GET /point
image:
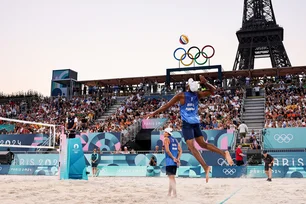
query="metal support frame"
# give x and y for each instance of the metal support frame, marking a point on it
(260, 37)
(169, 70)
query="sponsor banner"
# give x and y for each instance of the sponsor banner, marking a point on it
(153, 123)
(284, 138)
(105, 141)
(36, 159)
(26, 139)
(187, 159)
(28, 170)
(90, 141)
(222, 139)
(289, 158)
(259, 172)
(228, 171)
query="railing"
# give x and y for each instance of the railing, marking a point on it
(130, 133)
(261, 133)
(242, 104)
(233, 147)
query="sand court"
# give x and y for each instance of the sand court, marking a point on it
(134, 190)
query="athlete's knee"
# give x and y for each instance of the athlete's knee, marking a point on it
(190, 145)
(200, 140)
(204, 144)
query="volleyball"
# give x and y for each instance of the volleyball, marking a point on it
(184, 39)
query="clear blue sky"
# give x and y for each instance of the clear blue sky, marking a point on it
(110, 39)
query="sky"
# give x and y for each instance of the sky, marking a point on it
(102, 39)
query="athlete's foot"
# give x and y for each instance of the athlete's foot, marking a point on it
(269, 179)
(229, 158)
(174, 196)
(169, 195)
(207, 171)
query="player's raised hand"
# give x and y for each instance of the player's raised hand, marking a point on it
(148, 116)
(203, 79)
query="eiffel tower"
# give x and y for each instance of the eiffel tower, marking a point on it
(260, 36)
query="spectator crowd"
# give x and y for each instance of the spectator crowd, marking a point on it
(54, 111)
(285, 104)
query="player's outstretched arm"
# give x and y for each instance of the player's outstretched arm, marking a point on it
(211, 88)
(165, 107)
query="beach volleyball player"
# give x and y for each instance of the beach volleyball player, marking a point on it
(191, 123)
(173, 153)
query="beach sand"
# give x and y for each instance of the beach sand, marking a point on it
(128, 190)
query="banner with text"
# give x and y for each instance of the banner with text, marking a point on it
(153, 123)
(26, 139)
(28, 170)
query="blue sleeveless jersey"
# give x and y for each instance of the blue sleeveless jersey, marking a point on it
(189, 110)
(173, 147)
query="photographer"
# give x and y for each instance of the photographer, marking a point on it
(152, 161)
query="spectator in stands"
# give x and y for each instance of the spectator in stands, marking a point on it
(254, 141)
(257, 90)
(126, 151)
(243, 130)
(156, 149)
(239, 156)
(247, 81)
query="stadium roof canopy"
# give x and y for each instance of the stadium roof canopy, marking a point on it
(185, 77)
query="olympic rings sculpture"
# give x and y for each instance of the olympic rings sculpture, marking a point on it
(197, 55)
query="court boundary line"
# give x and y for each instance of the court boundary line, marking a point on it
(229, 197)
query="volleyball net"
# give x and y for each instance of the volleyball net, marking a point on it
(27, 135)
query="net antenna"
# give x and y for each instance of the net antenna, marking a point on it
(47, 139)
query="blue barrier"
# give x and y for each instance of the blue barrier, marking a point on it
(105, 141)
(284, 138)
(28, 170)
(159, 171)
(286, 164)
(187, 159)
(222, 139)
(27, 139)
(229, 171)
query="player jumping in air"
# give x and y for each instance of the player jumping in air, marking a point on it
(191, 123)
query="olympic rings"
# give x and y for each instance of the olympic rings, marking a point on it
(183, 56)
(190, 56)
(195, 55)
(211, 54)
(180, 48)
(198, 54)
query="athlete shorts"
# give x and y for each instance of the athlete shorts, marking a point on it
(171, 170)
(191, 131)
(267, 167)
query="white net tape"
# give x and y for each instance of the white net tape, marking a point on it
(48, 131)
